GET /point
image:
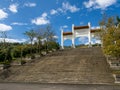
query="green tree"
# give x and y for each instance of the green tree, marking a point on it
(118, 20)
(111, 37)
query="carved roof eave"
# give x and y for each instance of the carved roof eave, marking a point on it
(80, 27)
(67, 33)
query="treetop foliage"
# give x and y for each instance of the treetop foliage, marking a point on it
(111, 36)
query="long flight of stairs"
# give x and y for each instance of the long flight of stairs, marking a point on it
(75, 66)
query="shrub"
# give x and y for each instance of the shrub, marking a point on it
(23, 62)
(33, 57)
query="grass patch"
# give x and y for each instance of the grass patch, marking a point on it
(116, 71)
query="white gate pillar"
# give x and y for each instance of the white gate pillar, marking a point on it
(73, 36)
(73, 43)
(62, 40)
(89, 35)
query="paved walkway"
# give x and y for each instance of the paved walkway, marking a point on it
(20, 86)
(73, 66)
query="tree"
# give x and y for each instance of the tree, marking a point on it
(101, 32)
(39, 36)
(31, 35)
(6, 47)
(49, 36)
(4, 36)
(49, 33)
(118, 20)
(111, 37)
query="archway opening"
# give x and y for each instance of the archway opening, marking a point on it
(81, 41)
(67, 43)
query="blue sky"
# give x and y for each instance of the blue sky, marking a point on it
(18, 16)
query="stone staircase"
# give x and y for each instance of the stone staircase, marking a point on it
(75, 66)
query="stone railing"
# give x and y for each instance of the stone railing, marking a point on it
(114, 64)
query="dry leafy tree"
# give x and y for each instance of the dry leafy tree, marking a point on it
(49, 36)
(45, 33)
(39, 34)
(31, 35)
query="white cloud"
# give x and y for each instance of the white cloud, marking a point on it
(4, 27)
(83, 39)
(44, 39)
(81, 23)
(65, 26)
(42, 20)
(89, 4)
(68, 17)
(99, 4)
(18, 23)
(94, 42)
(68, 7)
(44, 15)
(60, 10)
(3, 14)
(98, 41)
(55, 37)
(53, 11)
(13, 40)
(13, 8)
(95, 27)
(30, 4)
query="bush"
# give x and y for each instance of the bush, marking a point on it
(16, 52)
(53, 45)
(5, 54)
(23, 62)
(2, 55)
(33, 57)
